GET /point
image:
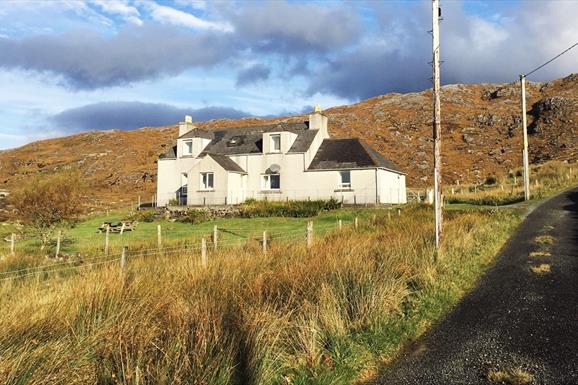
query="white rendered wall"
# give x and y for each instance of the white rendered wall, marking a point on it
(169, 177)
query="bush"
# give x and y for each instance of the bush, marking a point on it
(195, 216)
(142, 216)
(294, 209)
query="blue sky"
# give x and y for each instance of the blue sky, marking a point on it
(73, 65)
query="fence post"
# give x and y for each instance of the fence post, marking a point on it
(203, 252)
(309, 234)
(215, 237)
(355, 200)
(398, 212)
(265, 242)
(58, 243)
(106, 240)
(122, 229)
(12, 244)
(356, 223)
(138, 207)
(340, 224)
(159, 238)
(123, 258)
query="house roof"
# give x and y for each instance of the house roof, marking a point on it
(226, 162)
(249, 140)
(197, 133)
(349, 154)
(170, 154)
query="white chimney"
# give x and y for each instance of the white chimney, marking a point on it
(318, 121)
(186, 126)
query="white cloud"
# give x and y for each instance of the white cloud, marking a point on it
(174, 16)
(120, 8)
(195, 4)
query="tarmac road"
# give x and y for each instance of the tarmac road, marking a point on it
(515, 317)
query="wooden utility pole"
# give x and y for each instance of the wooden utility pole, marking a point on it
(436, 13)
(525, 130)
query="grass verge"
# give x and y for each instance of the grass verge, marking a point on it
(329, 315)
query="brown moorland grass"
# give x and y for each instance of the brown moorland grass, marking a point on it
(294, 316)
(546, 179)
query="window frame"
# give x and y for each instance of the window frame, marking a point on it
(343, 185)
(203, 185)
(272, 143)
(186, 144)
(266, 182)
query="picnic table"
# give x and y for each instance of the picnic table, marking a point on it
(117, 227)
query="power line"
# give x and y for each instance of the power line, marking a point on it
(551, 60)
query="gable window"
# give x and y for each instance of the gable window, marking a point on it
(345, 179)
(188, 147)
(275, 143)
(271, 182)
(207, 180)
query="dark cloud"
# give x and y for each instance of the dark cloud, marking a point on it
(473, 49)
(131, 115)
(253, 74)
(85, 60)
(296, 28)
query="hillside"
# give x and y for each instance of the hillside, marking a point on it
(481, 137)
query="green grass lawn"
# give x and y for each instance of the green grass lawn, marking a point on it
(84, 237)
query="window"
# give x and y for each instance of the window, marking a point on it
(271, 182)
(207, 180)
(345, 179)
(275, 143)
(188, 147)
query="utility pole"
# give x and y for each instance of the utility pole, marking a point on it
(525, 129)
(436, 14)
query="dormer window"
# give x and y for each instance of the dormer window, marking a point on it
(275, 143)
(188, 147)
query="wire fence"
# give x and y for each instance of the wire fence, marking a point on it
(199, 244)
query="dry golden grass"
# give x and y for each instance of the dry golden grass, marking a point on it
(546, 179)
(331, 313)
(515, 376)
(541, 268)
(544, 240)
(537, 254)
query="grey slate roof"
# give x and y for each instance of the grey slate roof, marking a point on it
(197, 133)
(335, 154)
(227, 163)
(170, 154)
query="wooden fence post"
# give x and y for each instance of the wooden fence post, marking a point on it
(265, 242)
(398, 212)
(340, 224)
(309, 234)
(12, 244)
(123, 258)
(138, 207)
(356, 223)
(122, 229)
(215, 237)
(203, 252)
(58, 243)
(106, 239)
(159, 238)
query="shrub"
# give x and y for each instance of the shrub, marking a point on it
(295, 209)
(46, 202)
(142, 216)
(195, 216)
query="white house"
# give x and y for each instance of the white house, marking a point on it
(280, 161)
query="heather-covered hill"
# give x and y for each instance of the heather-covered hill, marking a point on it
(481, 137)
